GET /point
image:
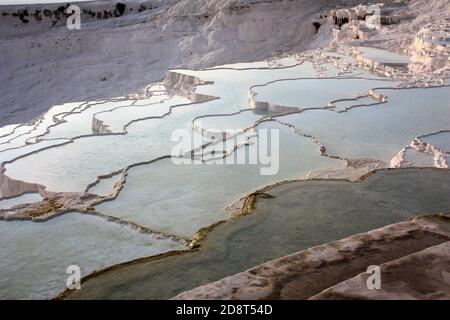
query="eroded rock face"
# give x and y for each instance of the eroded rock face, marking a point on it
(184, 85)
(430, 49)
(10, 187)
(99, 127)
(306, 273)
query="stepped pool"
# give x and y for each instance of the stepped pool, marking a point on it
(315, 93)
(35, 266)
(181, 199)
(381, 131)
(142, 174)
(301, 215)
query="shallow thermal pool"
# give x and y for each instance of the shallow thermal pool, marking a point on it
(383, 56)
(227, 124)
(315, 93)
(182, 198)
(105, 186)
(25, 198)
(25, 133)
(35, 255)
(301, 215)
(73, 166)
(418, 159)
(381, 131)
(440, 140)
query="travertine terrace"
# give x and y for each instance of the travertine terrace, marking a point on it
(91, 119)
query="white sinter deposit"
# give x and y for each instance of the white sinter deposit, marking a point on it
(114, 54)
(117, 90)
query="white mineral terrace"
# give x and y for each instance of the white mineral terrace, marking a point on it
(106, 171)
